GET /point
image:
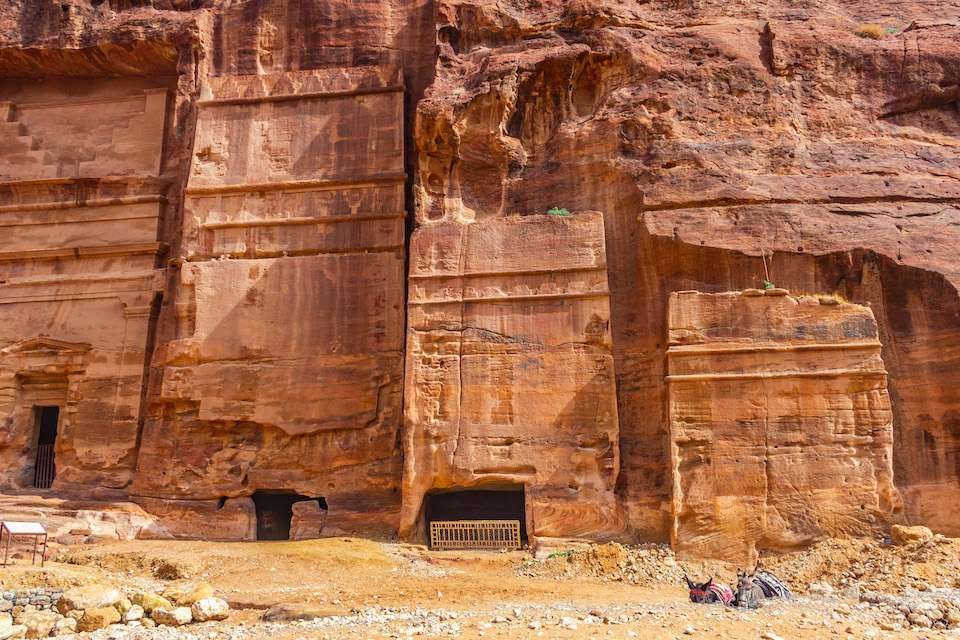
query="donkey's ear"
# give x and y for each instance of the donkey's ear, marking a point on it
(708, 583)
(690, 584)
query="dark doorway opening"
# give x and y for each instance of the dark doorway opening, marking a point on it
(274, 513)
(45, 467)
(479, 504)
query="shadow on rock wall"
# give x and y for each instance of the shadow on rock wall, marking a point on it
(918, 313)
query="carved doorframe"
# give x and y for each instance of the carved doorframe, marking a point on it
(40, 371)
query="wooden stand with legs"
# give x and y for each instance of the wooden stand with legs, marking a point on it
(17, 531)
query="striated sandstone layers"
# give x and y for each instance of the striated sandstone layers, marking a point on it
(316, 158)
(510, 375)
(780, 423)
(286, 366)
(709, 133)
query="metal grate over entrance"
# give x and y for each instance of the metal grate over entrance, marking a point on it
(475, 534)
(45, 468)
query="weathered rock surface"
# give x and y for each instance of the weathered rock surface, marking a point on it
(12, 631)
(709, 133)
(307, 164)
(175, 617)
(64, 626)
(150, 601)
(134, 613)
(210, 609)
(97, 618)
(780, 421)
(253, 162)
(81, 209)
(308, 520)
(511, 379)
(91, 596)
(901, 534)
(183, 594)
(40, 623)
(293, 612)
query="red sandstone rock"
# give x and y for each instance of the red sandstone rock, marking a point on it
(284, 370)
(308, 520)
(708, 133)
(902, 535)
(780, 423)
(80, 205)
(511, 380)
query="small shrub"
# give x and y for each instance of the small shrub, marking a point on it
(871, 30)
(769, 285)
(557, 211)
(168, 569)
(560, 554)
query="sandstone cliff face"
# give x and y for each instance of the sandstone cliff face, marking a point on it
(780, 422)
(709, 133)
(283, 172)
(510, 378)
(706, 133)
(80, 203)
(285, 370)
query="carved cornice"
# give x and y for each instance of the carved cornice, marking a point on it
(83, 252)
(310, 95)
(297, 185)
(43, 344)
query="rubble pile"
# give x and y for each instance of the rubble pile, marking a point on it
(844, 567)
(39, 612)
(931, 609)
(872, 565)
(612, 562)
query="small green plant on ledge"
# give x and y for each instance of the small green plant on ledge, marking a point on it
(767, 282)
(558, 211)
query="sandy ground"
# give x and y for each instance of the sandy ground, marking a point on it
(369, 589)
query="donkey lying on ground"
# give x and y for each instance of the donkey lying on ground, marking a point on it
(754, 587)
(709, 592)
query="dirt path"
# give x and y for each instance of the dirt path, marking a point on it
(367, 589)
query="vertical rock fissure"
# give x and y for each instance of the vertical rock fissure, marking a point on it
(463, 310)
(766, 462)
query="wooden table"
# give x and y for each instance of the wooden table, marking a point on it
(11, 530)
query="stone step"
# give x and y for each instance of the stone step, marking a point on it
(12, 128)
(23, 156)
(25, 163)
(15, 144)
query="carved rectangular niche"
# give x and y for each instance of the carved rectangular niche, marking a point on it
(781, 427)
(80, 205)
(510, 376)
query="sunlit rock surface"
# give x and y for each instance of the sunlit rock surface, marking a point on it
(780, 422)
(222, 225)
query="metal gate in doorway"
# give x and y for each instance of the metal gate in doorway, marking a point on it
(475, 534)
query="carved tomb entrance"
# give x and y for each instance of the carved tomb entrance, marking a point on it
(47, 421)
(476, 519)
(277, 517)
